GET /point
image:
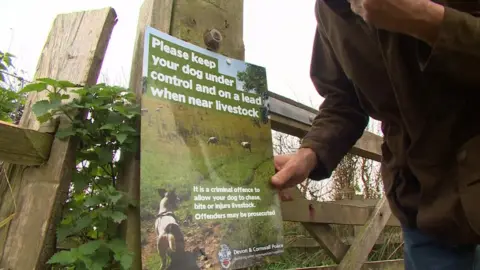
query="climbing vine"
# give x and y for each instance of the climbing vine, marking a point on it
(101, 118)
(11, 102)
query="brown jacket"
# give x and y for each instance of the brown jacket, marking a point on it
(428, 100)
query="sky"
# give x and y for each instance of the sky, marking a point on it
(278, 35)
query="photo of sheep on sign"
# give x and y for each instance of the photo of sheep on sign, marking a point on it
(206, 160)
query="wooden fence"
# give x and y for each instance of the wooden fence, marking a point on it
(38, 166)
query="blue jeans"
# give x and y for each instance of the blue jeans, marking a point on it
(422, 252)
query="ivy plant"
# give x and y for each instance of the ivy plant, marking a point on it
(11, 102)
(101, 118)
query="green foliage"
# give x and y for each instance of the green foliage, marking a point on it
(254, 78)
(10, 100)
(101, 118)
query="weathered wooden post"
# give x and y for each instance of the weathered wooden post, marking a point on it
(74, 51)
(219, 27)
(362, 245)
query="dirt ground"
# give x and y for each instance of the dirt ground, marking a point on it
(202, 242)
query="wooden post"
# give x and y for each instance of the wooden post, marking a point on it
(74, 51)
(182, 19)
(378, 265)
(362, 245)
(157, 14)
(30, 148)
(293, 118)
(327, 239)
(322, 233)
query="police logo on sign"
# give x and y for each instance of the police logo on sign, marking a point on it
(225, 256)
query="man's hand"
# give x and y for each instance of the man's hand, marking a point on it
(294, 168)
(418, 18)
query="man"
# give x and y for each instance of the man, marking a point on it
(415, 66)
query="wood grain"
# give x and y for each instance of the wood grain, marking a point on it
(74, 51)
(362, 245)
(293, 118)
(378, 265)
(23, 146)
(157, 14)
(329, 213)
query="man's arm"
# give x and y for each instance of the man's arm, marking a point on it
(453, 36)
(455, 51)
(340, 121)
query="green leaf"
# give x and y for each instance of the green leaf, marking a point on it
(75, 105)
(100, 259)
(63, 232)
(126, 128)
(108, 126)
(129, 96)
(33, 87)
(81, 131)
(66, 84)
(80, 181)
(117, 245)
(133, 202)
(90, 247)
(49, 81)
(63, 258)
(121, 137)
(95, 104)
(92, 201)
(7, 59)
(83, 223)
(67, 220)
(115, 197)
(97, 87)
(121, 252)
(54, 96)
(116, 216)
(114, 118)
(82, 92)
(86, 155)
(126, 261)
(121, 109)
(79, 197)
(64, 133)
(80, 266)
(94, 234)
(43, 106)
(44, 118)
(105, 155)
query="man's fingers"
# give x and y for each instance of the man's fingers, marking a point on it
(357, 7)
(283, 176)
(280, 161)
(284, 196)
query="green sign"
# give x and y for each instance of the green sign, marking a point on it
(206, 160)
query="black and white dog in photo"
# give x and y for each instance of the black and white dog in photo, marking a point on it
(170, 239)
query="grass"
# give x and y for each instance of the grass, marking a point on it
(175, 154)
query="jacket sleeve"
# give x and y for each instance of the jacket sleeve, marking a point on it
(456, 52)
(340, 121)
